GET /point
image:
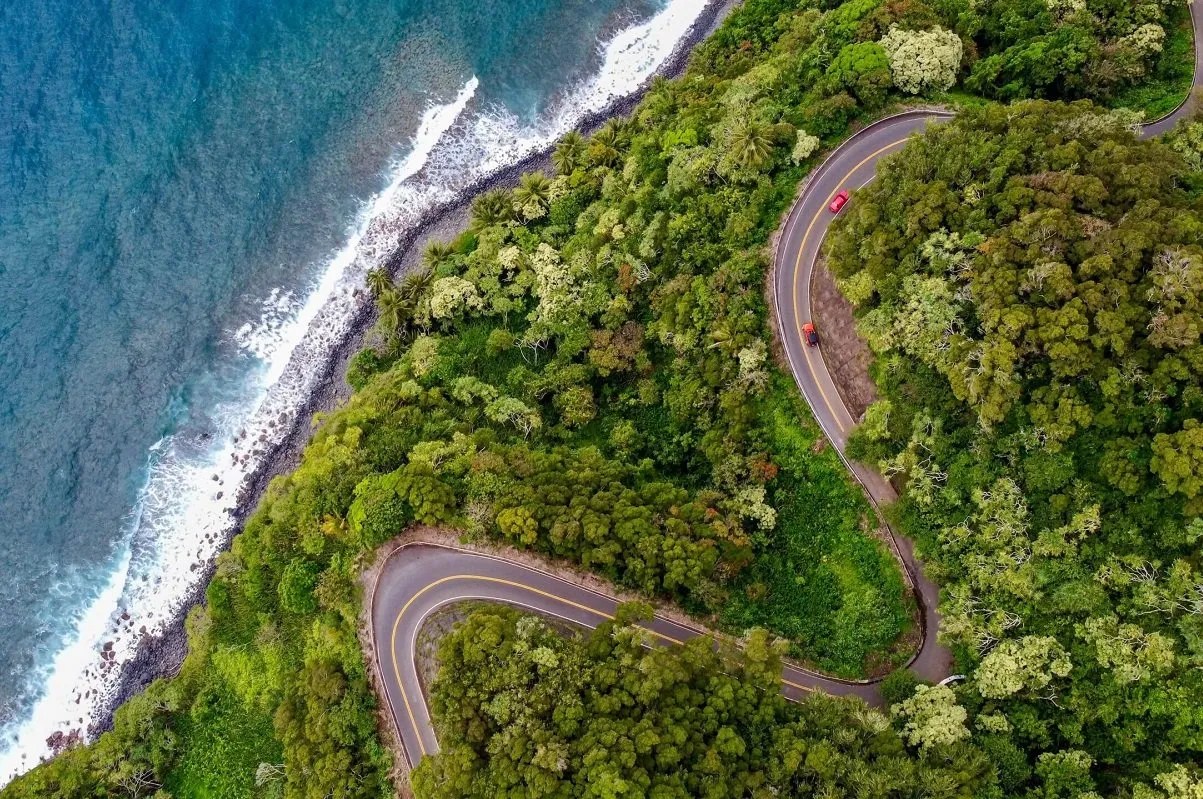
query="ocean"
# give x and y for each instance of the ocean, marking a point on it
(191, 195)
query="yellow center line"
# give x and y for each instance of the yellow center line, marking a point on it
(521, 586)
(500, 581)
(798, 264)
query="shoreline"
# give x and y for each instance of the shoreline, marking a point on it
(162, 655)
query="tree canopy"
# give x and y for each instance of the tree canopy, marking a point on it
(1029, 278)
(523, 710)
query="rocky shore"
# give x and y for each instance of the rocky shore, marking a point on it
(161, 655)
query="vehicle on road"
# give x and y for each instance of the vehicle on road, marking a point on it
(838, 202)
(810, 334)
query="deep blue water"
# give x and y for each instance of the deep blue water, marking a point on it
(166, 164)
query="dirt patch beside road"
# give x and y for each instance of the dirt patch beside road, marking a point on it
(847, 357)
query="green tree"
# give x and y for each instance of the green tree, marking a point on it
(863, 69)
(1027, 278)
(604, 716)
(379, 282)
(750, 145)
(1178, 458)
(297, 585)
(569, 153)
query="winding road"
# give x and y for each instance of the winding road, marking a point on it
(417, 579)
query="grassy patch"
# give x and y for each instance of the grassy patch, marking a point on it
(824, 583)
(222, 745)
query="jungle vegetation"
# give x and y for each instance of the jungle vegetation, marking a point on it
(1030, 279)
(525, 711)
(1126, 52)
(585, 372)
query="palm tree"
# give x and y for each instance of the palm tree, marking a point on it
(603, 147)
(415, 284)
(491, 208)
(533, 187)
(379, 281)
(751, 146)
(437, 253)
(570, 153)
(394, 310)
(623, 127)
(663, 89)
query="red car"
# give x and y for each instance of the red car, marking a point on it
(808, 333)
(838, 202)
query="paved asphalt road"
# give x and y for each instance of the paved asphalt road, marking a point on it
(417, 579)
(1159, 126)
(850, 166)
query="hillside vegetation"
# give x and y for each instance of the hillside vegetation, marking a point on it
(526, 712)
(1031, 280)
(586, 373)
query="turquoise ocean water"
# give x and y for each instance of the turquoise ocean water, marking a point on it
(189, 196)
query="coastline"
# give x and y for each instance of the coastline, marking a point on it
(161, 655)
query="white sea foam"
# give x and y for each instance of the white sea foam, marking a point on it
(186, 507)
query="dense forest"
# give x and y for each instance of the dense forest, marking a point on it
(1031, 280)
(525, 711)
(586, 373)
(1069, 49)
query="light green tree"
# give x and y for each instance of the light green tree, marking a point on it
(1131, 653)
(931, 717)
(452, 295)
(923, 60)
(1027, 664)
(1065, 775)
(509, 410)
(424, 354)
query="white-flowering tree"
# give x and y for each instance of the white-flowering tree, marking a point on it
(508, 410)
(931, 717)
(922, 60)
(805, 146)
(451, 295)
(1181, 783)
(1146, 41)
(751, 503)
(1027, 664)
